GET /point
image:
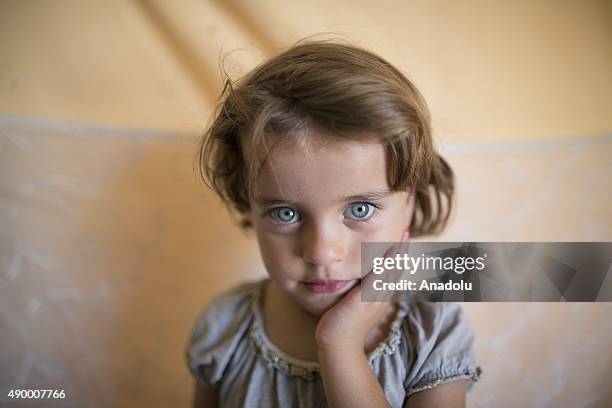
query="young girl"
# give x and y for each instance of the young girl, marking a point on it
(319, 149)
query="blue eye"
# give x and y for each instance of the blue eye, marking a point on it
(285, 215)
(360, 211)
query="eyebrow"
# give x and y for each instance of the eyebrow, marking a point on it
(375, 195)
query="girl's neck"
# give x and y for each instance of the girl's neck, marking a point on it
(288, 325)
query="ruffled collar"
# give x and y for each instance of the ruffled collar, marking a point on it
(308, 370)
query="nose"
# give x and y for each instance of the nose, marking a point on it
(323, 244)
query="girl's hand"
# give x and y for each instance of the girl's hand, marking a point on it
(346, 325)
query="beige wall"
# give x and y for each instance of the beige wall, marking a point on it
(109, 246)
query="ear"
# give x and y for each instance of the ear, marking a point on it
(408, 218)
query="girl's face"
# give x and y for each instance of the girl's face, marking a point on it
(312, 206)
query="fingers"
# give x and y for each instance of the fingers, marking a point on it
(405, 241)
(367, 283)
(375, 296)
(392, 251)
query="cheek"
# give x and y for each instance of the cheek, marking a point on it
(390, 227)
(276, 252)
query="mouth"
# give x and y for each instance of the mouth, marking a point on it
(321, 286)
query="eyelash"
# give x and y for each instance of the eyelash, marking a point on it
(271, 213)
(372, 217)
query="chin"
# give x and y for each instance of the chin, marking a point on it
(321, 306)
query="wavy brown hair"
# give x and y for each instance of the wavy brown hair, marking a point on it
(338, 89)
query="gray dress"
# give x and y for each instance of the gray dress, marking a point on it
(428, 344)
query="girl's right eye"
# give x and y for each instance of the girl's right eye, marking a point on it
(285, 215)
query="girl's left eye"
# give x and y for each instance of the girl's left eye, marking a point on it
(359, 211)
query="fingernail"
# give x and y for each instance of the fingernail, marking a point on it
(391, 251)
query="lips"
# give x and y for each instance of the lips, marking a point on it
(320, 286)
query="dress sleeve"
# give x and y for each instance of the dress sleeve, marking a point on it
(217, 333)
(441, 346)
